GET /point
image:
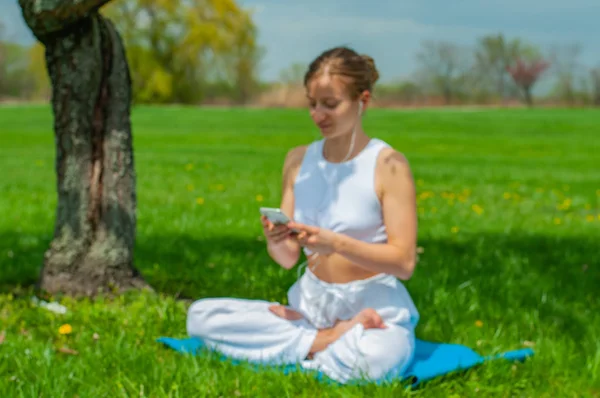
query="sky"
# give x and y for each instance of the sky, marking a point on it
(391, 31)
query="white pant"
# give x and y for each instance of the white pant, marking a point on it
(246, 329)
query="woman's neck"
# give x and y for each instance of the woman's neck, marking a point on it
(335, 150)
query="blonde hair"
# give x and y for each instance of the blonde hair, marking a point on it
(343, 61)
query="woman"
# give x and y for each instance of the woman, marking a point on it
(354, 214)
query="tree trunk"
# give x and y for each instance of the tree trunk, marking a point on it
(528, 96)
(94, 236)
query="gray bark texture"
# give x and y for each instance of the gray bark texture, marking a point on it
(93, 246)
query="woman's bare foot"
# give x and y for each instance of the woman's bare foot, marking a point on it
(368, 317)
(285, 312)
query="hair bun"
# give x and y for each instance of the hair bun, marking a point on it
(374, 74)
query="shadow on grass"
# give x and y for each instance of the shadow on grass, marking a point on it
(555, 278)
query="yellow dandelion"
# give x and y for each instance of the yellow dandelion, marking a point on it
(477, 209)
(65, 329)
(448, 195)
(589, 218)
(425, 195)
(565, 205)
(259, 198)
(507, 195)
(189, 166)
(557, 221)
(454, 229)
(190, 187)
(200, 201)
(478, 323)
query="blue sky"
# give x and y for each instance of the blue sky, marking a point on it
(391, 31)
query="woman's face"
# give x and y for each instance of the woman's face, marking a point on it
(331, 107)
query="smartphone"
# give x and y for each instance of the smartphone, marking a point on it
(276, 216)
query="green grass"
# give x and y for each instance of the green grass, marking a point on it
(527, 267)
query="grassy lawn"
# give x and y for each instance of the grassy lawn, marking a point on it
(509, 223)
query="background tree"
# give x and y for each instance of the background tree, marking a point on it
(443, 68)
(93, 244)
(36, 72)
(181, 50)
(2, 59)
(525, 74)
(493, 55)
(595, 83)
(567, 69)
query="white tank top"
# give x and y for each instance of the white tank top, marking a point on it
(340, 196)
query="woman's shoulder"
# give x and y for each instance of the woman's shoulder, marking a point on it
(392, 164)
(389, 156)
(293, 161)
(296, 155)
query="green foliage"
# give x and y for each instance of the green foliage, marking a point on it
(36, 72)
(509, 220)
(176, 48)
(14, 64)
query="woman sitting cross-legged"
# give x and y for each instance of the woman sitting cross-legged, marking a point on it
(352, 201)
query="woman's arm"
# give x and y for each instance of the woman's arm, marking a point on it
(287, 252)
(398, 255)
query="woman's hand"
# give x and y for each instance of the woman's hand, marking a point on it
(318, 240)
(274, 233)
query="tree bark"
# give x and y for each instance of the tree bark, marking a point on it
(94, 236)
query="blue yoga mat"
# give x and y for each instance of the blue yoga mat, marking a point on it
(431, 359)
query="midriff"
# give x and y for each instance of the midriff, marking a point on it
(337, 269)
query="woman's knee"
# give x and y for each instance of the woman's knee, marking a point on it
(210, 317)
(200, 321)
(385, 351)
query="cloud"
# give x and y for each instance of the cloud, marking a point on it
(298, 34)
(392, 31)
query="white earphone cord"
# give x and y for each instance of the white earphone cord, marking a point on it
(353, 134)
